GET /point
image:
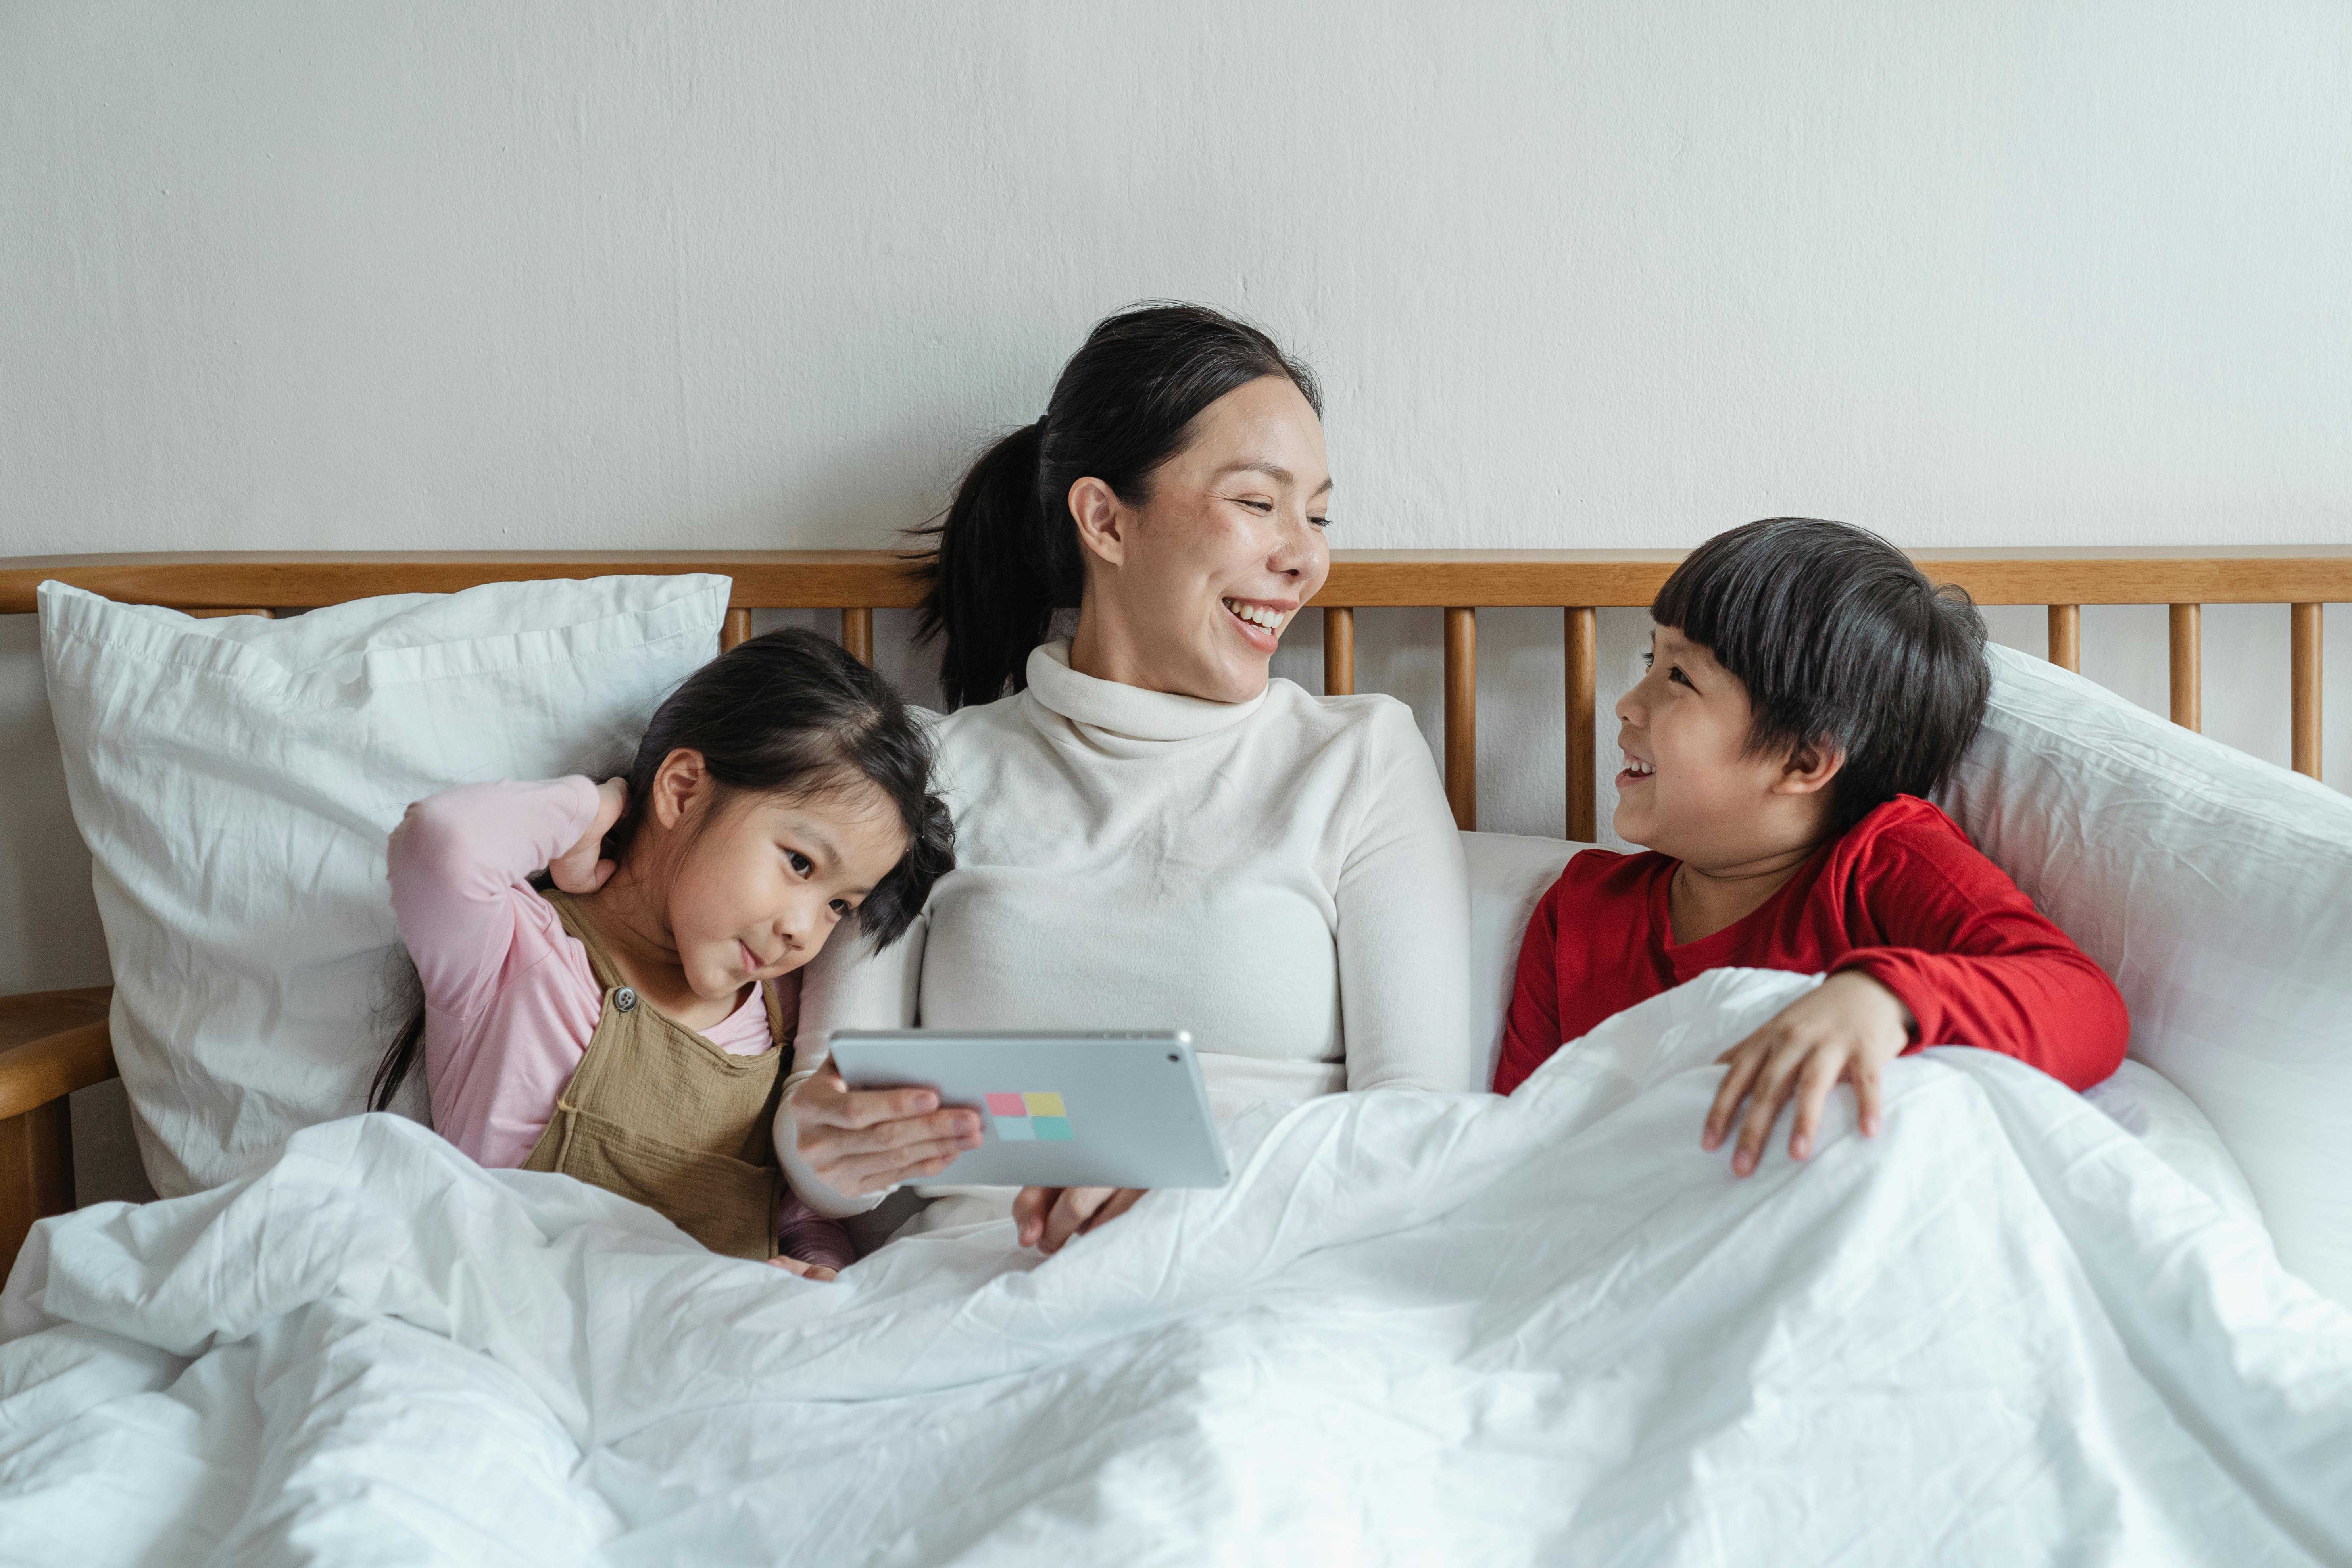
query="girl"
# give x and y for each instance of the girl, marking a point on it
(627, 1025)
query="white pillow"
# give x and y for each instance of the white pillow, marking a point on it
(2217, 889)
(236, 780)
(1508, 874)
(2137, 1099)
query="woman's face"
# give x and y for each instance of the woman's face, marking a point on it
(1191, 591)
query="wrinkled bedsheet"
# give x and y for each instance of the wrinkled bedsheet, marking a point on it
(1414, 1329)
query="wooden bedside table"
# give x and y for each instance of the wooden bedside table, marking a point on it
(51, 1043)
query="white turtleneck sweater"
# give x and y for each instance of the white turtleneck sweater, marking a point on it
(1281, 876)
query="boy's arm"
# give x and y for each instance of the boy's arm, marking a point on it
(1977, 966)
(1531, 1027)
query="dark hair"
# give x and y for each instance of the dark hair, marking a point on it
(1840, 641)
(789, 714)
(1007, 555)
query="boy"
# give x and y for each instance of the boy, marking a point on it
(1806, 689)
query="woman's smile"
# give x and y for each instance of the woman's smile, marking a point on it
(1260, 621)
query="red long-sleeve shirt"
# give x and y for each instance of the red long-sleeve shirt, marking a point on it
(1902, 896)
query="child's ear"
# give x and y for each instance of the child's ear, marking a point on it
(1810, 766)
(682, 779)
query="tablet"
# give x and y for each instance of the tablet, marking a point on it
(1056, 1109)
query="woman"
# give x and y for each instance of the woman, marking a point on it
(1151, 833)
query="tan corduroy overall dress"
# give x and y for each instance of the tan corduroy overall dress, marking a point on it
(658, 1113)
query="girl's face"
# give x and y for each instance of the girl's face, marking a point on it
(756, 883)
(1191, 591)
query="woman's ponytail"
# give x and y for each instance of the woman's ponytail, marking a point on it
(998, 574)
(1007, 553)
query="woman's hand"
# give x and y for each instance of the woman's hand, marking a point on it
(791, 1265)
(582, 868)
(1848, 1027)
(1046, 1218)
(863, 1140)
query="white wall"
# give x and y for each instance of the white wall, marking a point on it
(603, 273)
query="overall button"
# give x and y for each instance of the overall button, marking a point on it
(625, 999)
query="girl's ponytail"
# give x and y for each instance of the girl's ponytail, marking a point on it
(1007, 553)
(998, 572)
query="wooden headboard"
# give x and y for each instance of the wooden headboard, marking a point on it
(858, 581)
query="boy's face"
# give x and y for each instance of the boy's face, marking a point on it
(1690, 788)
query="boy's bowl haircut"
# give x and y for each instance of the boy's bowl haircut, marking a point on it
(1842, 642)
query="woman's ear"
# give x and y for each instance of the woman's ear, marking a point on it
(1809, 768)
(682, 779)
(1096, 507)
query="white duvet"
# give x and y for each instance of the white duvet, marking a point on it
(1415, 1329)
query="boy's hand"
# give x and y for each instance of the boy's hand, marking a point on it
(1849, 1028)
(579, 868)
(1048, 1218)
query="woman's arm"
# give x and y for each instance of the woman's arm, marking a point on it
(849, 985)
(843, 1152)
(1403, 933)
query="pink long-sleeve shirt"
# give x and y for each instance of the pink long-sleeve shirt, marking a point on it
(510, 999)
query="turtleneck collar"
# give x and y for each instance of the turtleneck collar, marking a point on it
(1130, 712)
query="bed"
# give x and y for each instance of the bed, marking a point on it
(2023, 1325)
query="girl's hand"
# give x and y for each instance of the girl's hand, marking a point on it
(1047, 1217)
(579, 868)
(806, 1270)
(863, 1140)
(1847, 1028)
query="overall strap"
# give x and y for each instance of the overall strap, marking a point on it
(659, 1113)
(781, 1030)
(600, 958)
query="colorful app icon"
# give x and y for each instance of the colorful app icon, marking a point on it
(1030, 1118)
